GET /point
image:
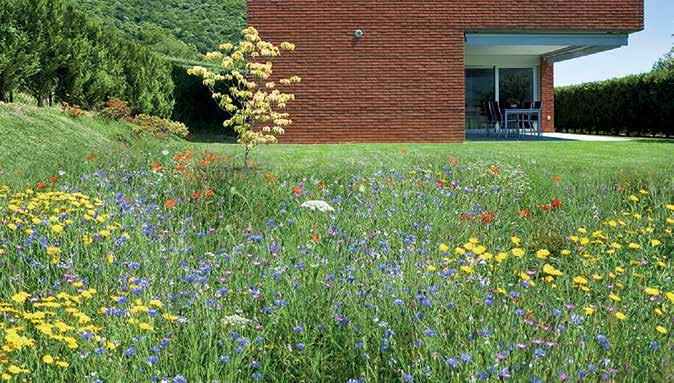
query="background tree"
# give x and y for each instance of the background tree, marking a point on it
(254, 100)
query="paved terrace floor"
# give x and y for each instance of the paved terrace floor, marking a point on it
(546, 137)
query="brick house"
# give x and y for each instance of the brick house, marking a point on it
(421, 68)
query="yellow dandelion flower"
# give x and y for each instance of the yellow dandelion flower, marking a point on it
(432, 268)
(443, 248)
(518, 252)
(655, 242)
(48, 359)
(542, 253)
(550, 270)
(661, 330)
(620, 315)
(652, 291)
(20, 297)
(589, 310)
(670, 296)
(467, 269)
(516, 240)
(614, 298)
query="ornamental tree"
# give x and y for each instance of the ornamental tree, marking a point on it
(254, 101)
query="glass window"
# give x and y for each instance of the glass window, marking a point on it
(516, 86)
(480, 85)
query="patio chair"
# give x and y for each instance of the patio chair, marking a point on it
(530, 121)
(491, 121)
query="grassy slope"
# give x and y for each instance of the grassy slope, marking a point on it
(55, 141)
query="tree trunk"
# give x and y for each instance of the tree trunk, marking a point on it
(11, 96)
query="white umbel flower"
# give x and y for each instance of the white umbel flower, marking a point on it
(321, 206)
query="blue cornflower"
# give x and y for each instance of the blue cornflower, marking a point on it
(299, 346)
(179, 379)
(408, 378)
(152, 359)
(430, 332)
(131, 351)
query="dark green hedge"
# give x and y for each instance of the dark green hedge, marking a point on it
(639, 105)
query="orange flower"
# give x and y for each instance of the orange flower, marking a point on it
(441, 183)
(170, 203)
(315, 237)
(41, 186)
(495, 170)
(209, 193)
(321, 186)
(53, 179)
(545, 207)
(90, 156)
(557, 179)
(454, 161)
(525, 213)
(197, 195)
(156, 166)
(556, 203)
(488, 217)
(297, 190)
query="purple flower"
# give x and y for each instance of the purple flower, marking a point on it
(131, 351)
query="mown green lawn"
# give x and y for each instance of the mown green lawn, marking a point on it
(163, 260)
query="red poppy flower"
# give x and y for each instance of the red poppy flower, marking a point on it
(557, 179)
(209, 193)
(170, 203)
(321, 186)
(525, 213)
(297, 190)
(53, 180)
(40, 186)
(488, 217)
(197, 195)
(556, 203)
(453, 185)
(315, 237)
(545, 207)
(156, 166)
(464, 217)
(441, 184)
(454, 161)
(495, 170)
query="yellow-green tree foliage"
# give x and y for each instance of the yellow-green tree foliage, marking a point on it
(255, 102)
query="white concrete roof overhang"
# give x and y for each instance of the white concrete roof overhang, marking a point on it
(553, 47)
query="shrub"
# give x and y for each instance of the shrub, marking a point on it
(639, 105)
(159, 127)
(72, 110)
(116, 109)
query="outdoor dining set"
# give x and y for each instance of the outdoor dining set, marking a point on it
(513, 120)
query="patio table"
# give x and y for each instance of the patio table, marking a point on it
(521, 112)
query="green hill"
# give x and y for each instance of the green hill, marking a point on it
(177, 28)
(57, 141)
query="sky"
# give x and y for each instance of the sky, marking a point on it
(644, 49)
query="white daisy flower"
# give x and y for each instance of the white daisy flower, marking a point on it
(321, 206)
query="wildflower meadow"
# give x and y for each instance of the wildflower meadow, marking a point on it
(177, 265)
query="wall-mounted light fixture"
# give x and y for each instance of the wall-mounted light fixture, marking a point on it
(358, 34)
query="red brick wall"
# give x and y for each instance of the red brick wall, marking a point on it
(548, 96)
(404, 80)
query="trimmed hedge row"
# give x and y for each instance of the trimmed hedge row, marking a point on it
(639, 105)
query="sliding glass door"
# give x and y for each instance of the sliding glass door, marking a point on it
(480, 88)
(516, 86)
